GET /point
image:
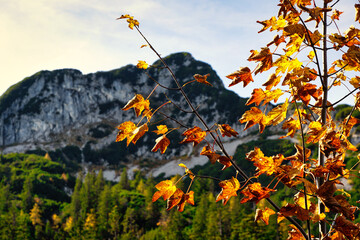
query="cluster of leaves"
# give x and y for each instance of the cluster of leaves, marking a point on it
(293, 58)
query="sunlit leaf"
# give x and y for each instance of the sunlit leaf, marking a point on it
(136, 134)
(242, 75)
(252, 117)
(162, 143)
(226, 130)
(166, 189)
(194, 135)
(255, 192)
(229, 189)
(202, 79)
(138, 103)
(207, 151)
(187, 171)
(142, 65)
(130, 19)
(264, 215)
(125, 129)
(161, 129)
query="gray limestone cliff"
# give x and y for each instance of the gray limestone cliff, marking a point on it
(75, 115)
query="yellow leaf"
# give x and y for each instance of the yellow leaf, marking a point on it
(311, 55)
(138, 103)
(161, 129)
(278, 114)
(137, 133)
(130, 19)
(264, 215)
(142, 65)
(166, 189)
(125, 129)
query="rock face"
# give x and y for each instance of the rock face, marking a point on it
(75, 115)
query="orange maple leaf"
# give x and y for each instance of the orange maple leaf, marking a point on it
(202, 79)
(267, 165)
(138, 103)
(179, 199)
(136, 134)
(264, 57)
(291, 125)
(252, 117)
(242, 75)
(258, 95)
(194, 135)
(229, 189)
(295, 234)
(162, 143)
(226, 130)
(207, 151)
(166, 189)
(264, 215)
(125, 129)
(255, 192)
(272, 81)
(225, 161)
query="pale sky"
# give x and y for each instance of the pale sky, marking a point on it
(52, 34)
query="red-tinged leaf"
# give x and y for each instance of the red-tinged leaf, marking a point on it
(264, 215)
(242, 75)
(138, 103)
(137, 134)
(290, 210)
(166, 189)
(194, 135)
(252, 117)
(162, 143)
(226, 130)
(264, 57)
(292, 125)
(225, 161)
(272, 81)
(346, 227)
(357, 12)
(202, 79)
(186, 198)
(174, 199)
(295, 234)
(125, 129)
(255, 192)
(229, 189)
(213, 157)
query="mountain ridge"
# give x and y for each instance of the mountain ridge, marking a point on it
(72, 115)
